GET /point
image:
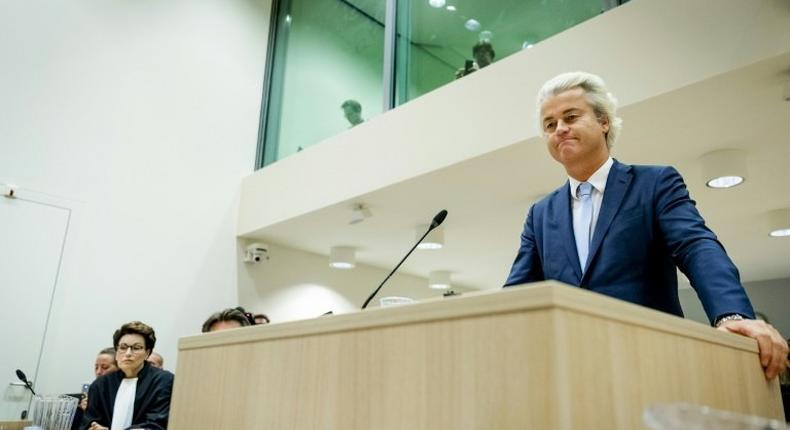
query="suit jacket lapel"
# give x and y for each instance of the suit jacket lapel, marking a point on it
(565, 225)
(616, 188)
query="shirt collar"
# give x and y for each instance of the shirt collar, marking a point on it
(597, 180)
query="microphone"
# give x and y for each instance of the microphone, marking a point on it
(437, 221)
(22, 377)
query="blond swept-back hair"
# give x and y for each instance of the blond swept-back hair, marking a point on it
(603, 103)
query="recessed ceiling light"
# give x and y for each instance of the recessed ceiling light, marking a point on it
(724, 168)
(437, 3)
(724, 181)
(780, 233)
(472, 24)
(527, 45)
(779, 223)
(451, 8)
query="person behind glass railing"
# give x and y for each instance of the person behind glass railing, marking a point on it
(137, 396)
(156, 360)
(483, 54)
(261, 319)
(352, 110)
(227, 319)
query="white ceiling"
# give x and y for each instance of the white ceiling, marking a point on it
(487, 203)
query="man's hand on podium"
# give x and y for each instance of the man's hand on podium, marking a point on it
(773, 347)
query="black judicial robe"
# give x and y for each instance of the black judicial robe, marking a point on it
(151, 400)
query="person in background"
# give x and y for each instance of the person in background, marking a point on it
(227, 319)
(105, 362)
(352, 110)
(261, 319)
(156, 360)
(137, 396)
(483, 54)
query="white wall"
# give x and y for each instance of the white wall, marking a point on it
(143, 117)
(334, 53)
(295, 284)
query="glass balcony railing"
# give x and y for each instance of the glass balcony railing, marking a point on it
(443, 40)
(328, 70)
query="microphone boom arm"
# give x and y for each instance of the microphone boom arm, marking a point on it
(376, 291)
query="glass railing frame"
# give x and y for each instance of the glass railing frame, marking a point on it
(391, 97)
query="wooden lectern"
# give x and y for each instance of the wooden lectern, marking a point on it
(542, 356)
(14, 425)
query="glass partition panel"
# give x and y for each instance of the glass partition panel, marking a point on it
(326, 73)
(443, 40)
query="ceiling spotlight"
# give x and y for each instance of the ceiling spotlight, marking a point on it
(527, 45)
(436, 3)
(439, 280)
(342, 257)
(472, 24)
(359, 213)
(779, 223)
(451, 8)
(434, 240)
(485, 36)
(724, 168)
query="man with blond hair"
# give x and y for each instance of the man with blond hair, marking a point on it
(624, 230)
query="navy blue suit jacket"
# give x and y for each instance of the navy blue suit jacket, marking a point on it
(647, 227)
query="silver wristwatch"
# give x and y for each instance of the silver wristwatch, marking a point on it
(730, 317)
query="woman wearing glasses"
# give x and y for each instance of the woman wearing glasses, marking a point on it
(138, 394)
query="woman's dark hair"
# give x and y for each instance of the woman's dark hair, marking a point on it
(230, 314)
(136, 327)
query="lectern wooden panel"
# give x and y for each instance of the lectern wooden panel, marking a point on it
(14, 425)
(543, 356)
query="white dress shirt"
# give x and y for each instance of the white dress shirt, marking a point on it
(123, 409)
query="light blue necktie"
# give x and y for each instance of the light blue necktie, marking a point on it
(584, 193)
